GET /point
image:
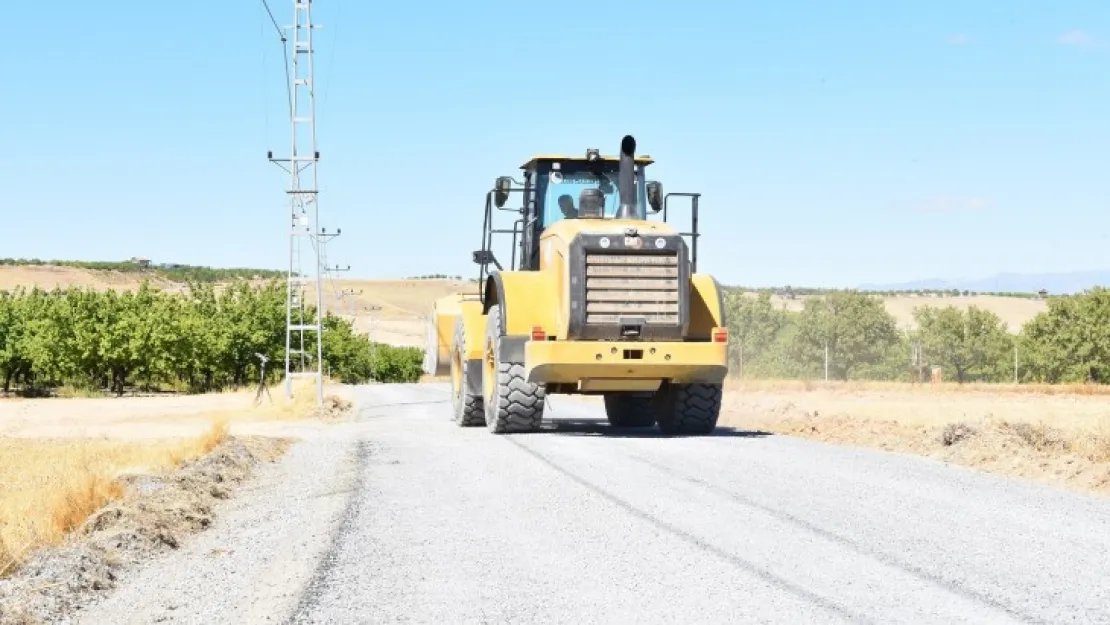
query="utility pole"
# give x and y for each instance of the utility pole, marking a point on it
(325, 238)
(370, 333)
(354, 304)
(741, 346)
(826, 361)
(303, 195)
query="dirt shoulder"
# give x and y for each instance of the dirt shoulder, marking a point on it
(162, 417)
(1060, 440)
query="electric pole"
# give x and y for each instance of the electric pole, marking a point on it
(370, 335)
(303, 197)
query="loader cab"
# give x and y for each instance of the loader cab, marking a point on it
(560, 187)
(579, 188)
(556, 187)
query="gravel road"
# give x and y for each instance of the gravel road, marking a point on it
(400, 516)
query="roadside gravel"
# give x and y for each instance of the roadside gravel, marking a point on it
(252, 564)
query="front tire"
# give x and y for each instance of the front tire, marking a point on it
(628, 410)
(466, 405)
(512, 403)
(688, 408)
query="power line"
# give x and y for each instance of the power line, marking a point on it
(284, 52)
(281, 35)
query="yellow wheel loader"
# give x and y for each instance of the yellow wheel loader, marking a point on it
(598, 300)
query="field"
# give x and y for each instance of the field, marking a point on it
(1057, 435)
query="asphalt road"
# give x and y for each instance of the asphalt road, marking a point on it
(403, 517)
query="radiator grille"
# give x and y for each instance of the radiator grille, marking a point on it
(632, 285)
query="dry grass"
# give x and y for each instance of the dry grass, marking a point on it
(48, 277)
(50, 487)
(156, 513)
(163, 417)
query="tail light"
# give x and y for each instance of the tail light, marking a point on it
(538, 334)
(720, 335)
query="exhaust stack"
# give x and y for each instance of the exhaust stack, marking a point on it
(629, 209)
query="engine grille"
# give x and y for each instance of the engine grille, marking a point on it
(632, 285)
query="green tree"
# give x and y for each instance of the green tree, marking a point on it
(205, 338)
(1069, 342)
(973, 343)
(753, 323)
(854, 328)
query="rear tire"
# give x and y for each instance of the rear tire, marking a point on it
(467, 405)
(688, 408)
(512, 404)
(629, 410)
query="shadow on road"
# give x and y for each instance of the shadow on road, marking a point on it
(601, 427)
(406, 403)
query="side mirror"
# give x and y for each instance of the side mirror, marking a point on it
(501, 190)
(655, 196)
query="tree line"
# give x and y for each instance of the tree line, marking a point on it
(203, 339)
(793, 292)
(434, 276)
(170, 271)
(852, 336)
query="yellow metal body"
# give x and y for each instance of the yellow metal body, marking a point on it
(623, 365)
(531, 297)
(540, 299)
(441, 329)
(474, 328)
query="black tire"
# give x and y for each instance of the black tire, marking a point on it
(688, 408)
(629, 410)
(512, 404)
(467, 406)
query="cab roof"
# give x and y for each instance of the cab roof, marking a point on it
(641, 159)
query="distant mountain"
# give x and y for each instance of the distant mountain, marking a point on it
(1054, 283)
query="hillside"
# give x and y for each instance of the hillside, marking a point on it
(1014, 311)
(1055, 283)
(50, 276)
(393, 311)
(401, 306)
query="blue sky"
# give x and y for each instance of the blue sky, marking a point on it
(834, 143)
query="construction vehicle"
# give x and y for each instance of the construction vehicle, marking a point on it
(598, 300)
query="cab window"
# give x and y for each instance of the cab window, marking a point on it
(562, 194)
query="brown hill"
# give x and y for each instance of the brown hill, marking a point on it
(394, 311)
